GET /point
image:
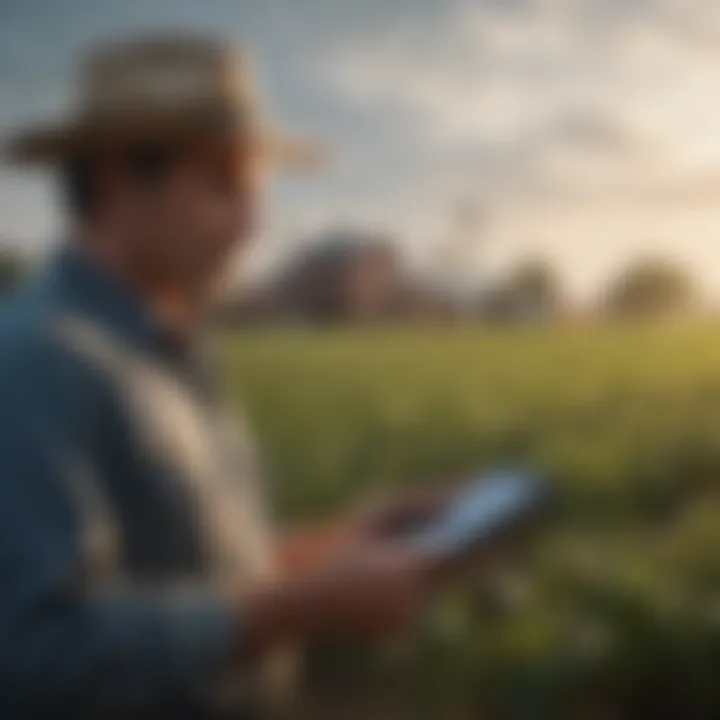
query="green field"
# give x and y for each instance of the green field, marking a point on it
(614, 609)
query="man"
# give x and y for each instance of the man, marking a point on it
(138, 575)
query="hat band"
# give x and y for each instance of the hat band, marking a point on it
(211, 116)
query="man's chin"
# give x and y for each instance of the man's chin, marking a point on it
(209, 283)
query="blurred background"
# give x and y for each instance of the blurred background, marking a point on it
(513, 259)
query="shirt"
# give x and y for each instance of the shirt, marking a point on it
(129, 511)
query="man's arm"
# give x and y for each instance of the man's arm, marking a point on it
(69, 648)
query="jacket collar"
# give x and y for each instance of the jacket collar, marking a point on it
(87, 288)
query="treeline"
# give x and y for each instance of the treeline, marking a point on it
(648, 287)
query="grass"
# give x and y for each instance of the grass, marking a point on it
(614, 607)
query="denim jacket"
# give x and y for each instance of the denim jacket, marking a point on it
(129, 512)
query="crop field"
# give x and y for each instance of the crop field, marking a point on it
(612, 608)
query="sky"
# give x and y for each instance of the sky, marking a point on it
(476, 132)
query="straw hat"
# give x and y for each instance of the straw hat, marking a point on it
(156, 90)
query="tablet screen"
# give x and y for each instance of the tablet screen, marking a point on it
(487, 506)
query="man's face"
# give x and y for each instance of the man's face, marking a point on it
(185, 225)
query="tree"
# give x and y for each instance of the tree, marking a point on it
(532, 291)
(651, 287)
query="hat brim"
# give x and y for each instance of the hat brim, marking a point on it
(52, 144)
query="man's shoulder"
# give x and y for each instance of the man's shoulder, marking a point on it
(31, 346)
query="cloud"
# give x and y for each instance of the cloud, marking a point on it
(586, 128)
(480, 76)
(596, 88)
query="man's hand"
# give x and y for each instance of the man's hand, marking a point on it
(393, 517)
(353, 577)
(373, 592)
(305, 550)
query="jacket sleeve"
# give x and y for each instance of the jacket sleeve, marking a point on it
(67, 648)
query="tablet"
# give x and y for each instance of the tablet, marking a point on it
(483, 509)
